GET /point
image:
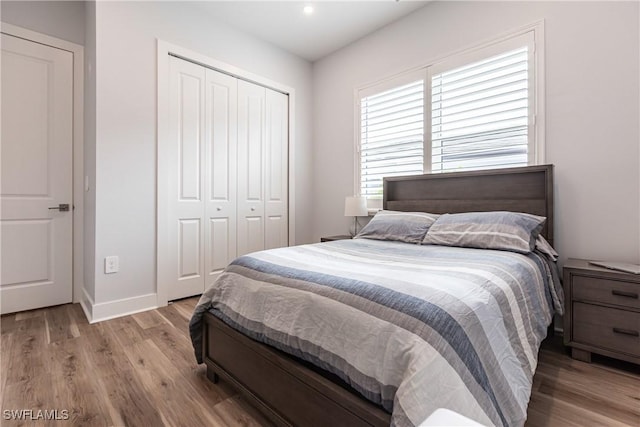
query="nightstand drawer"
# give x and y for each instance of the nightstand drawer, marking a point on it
(606, 291)
(607, 328)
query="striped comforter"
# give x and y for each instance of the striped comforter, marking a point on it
(413, 328)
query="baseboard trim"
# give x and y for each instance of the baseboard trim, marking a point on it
(86, 302)
(118, 308)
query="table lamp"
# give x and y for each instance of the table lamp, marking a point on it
(355, 206)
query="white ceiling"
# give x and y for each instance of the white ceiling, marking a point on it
(332, 25)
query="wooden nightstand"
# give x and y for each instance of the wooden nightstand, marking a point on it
(602, 312)
(332, 238)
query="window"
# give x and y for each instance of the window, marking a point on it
(391, 135)
(478, 109)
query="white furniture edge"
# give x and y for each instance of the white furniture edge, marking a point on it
(446, 417)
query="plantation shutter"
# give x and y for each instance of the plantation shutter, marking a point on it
(391, 135)
(472, 110)
(480, 114)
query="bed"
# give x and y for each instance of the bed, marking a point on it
(347, 332)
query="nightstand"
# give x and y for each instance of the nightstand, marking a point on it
(602, 312)
(332, 238)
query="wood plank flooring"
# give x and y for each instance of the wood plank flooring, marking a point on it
(139, 370)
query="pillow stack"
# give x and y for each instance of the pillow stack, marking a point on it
(501, 230)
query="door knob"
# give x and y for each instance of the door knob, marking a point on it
(218, 209)
(62, 207)
(253, 209)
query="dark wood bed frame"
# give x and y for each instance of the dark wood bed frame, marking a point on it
(292, 393)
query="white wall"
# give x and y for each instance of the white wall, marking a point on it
(592, 109)
(90, 153)
(126, 34)
(61, 19)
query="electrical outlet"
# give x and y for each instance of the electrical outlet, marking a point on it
(111, 264)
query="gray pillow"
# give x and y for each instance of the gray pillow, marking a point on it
(509, 231)
(407, 227)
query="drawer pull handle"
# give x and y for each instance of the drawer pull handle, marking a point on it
(626, 332)
(625, 294)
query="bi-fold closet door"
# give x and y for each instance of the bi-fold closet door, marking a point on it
(263, 128)
(228, 173)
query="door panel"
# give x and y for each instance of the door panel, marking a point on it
(220, 135)
(254, 226)
(277, 171)
(221, 123)
(276, 232)
(190, 138)
(28, 260)
(186, 206)
(37, 146)
(189, 251)
(251, 140)
(25, 166)
(219, 248)
(254, 140)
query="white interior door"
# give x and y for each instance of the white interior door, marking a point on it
(277, 170)
(186, 170)
(37, 147)
(221, 123)
(251, 166)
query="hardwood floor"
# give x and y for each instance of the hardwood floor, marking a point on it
(139, 370)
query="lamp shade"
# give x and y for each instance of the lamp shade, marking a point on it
(355, 206)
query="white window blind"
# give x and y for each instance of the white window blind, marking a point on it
(472, 110)
(480, 114)
(391, 135)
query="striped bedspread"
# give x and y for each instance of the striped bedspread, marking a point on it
(412, 328)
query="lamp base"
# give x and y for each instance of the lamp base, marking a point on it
(354, 232)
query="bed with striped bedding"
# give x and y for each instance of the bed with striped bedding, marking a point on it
(411, 327)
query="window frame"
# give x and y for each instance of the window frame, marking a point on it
(531, 36)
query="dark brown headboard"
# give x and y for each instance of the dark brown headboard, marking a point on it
(526, 189)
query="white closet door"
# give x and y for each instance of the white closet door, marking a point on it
(221, 123)
(251, 164)
(186, 180)
(277, 171)
(222, 176)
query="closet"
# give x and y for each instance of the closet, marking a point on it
(227, 163)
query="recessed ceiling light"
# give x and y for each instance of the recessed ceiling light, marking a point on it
(308, 10)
